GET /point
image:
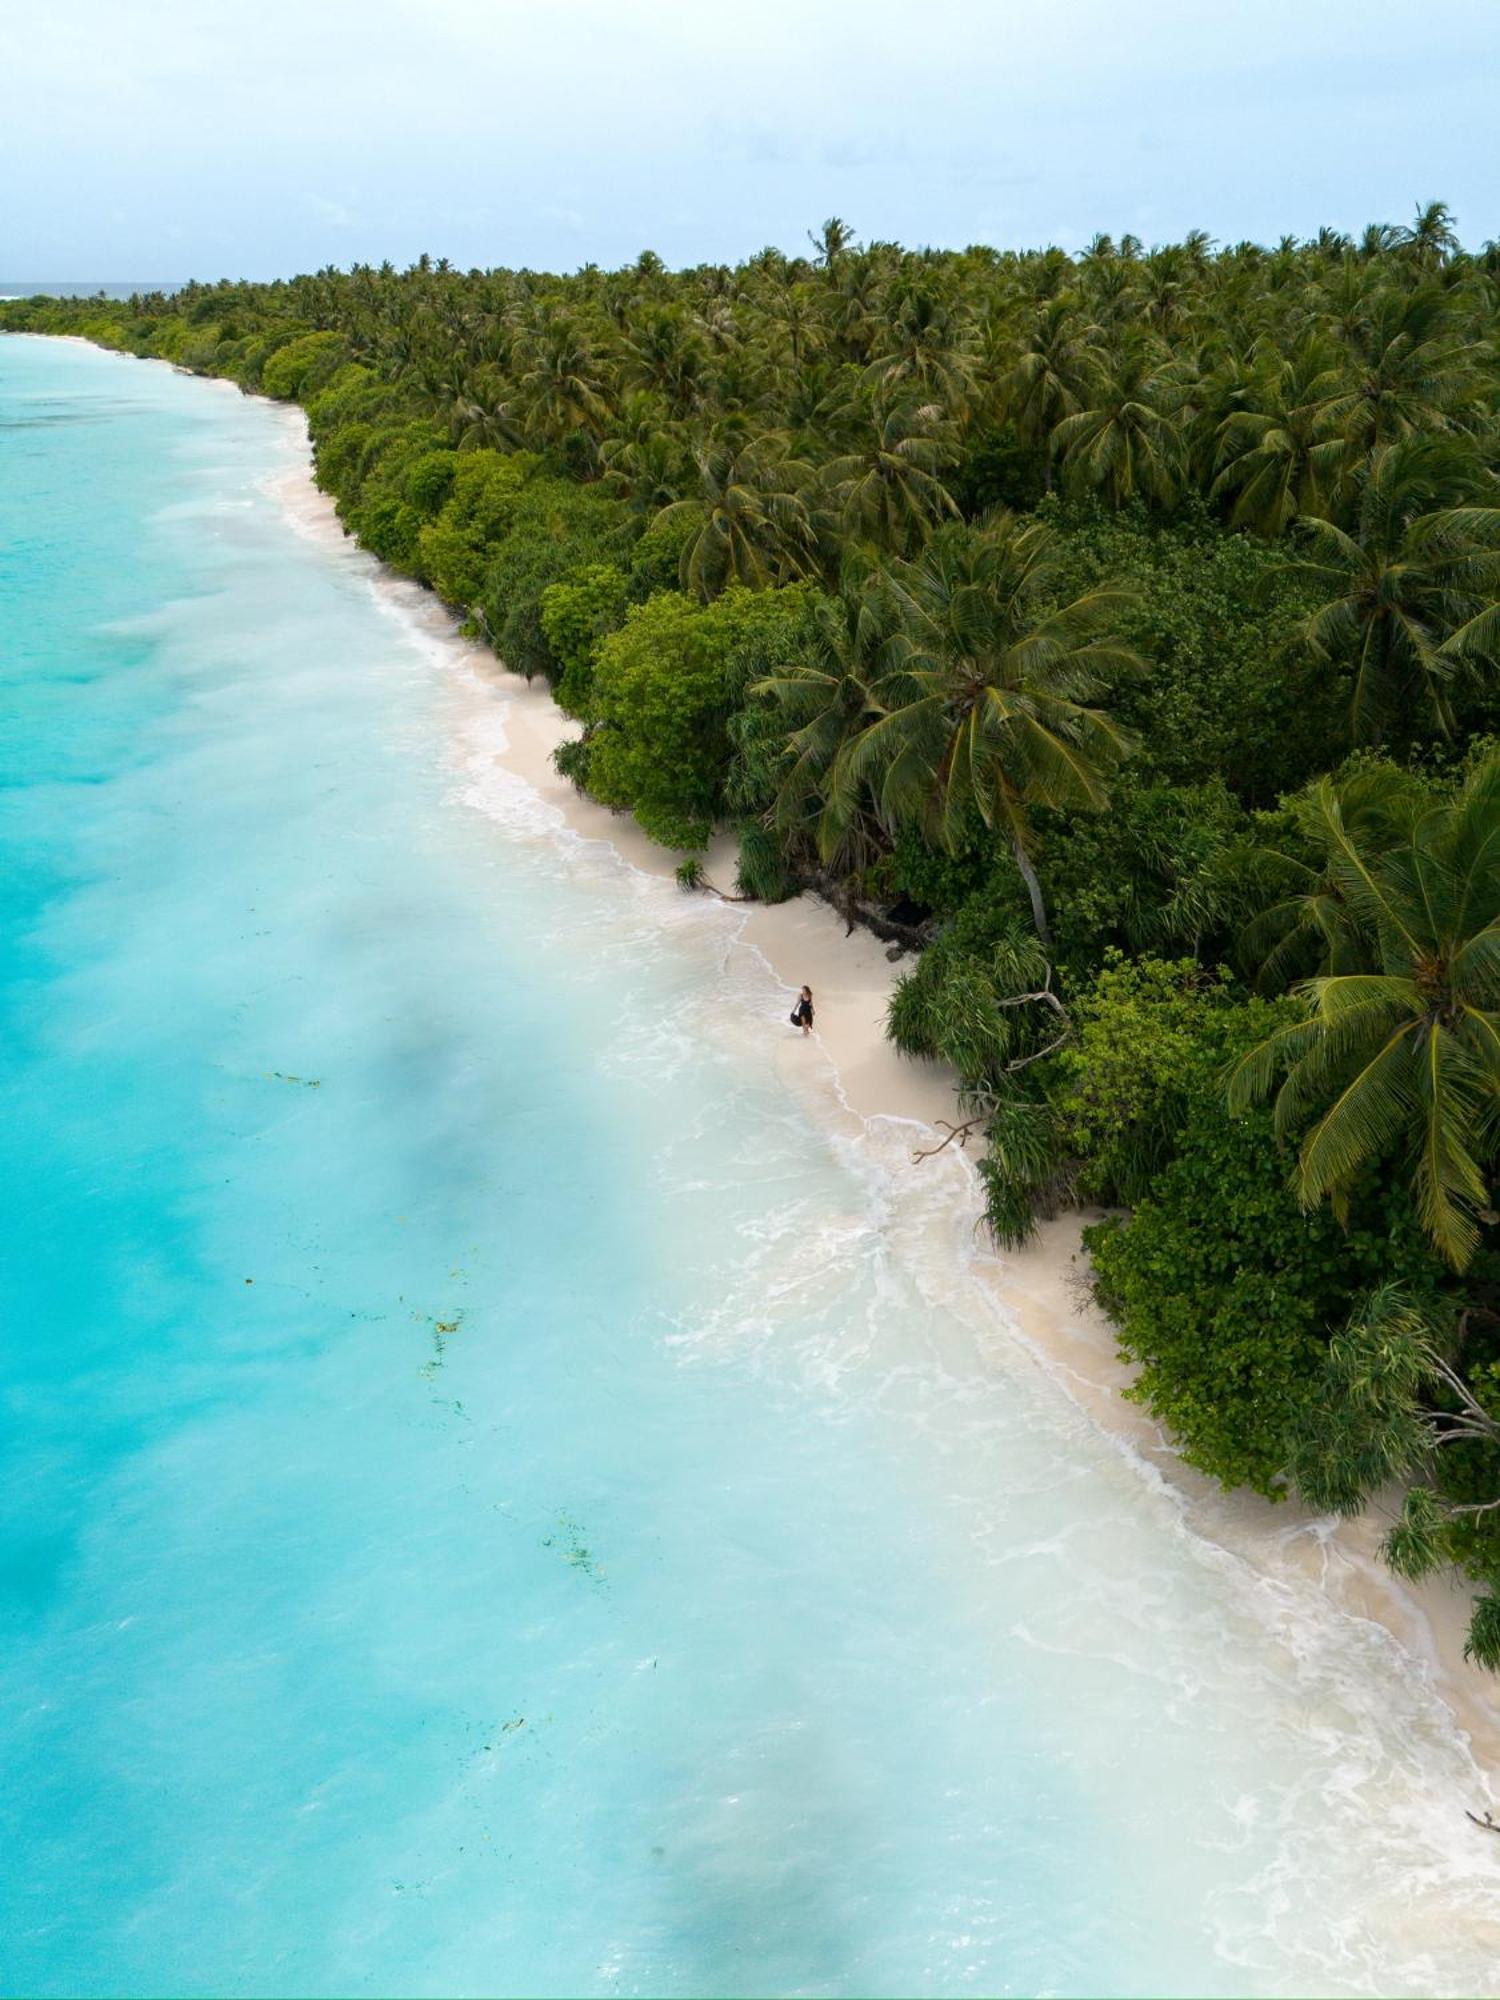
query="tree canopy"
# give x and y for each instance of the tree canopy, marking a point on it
(1118, 631)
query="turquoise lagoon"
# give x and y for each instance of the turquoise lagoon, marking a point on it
(499, 1495)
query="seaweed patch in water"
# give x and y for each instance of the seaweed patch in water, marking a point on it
(442, 1329)
(573, 1548)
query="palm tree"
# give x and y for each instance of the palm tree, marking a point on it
(888, 490)
(854, 309)
(1410, 594)
(1410, 370)
(1110, 292)
(1339, 301)
(1166, 304)
(1377, 238)
(823, 407)
(831, 241)
(796, 316)
(664, 352)
(1125, 442)
(828, 700)
(1401, 1055)
(646, 458)
(1331, 242)
(1309, 928)
(1431, 238)
(925, 349)
(751, 523)
(481, 415)
(984, 712)
(1057, 358)
(1282, 458)
(560, 389)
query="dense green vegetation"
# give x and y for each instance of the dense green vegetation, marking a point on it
(1121, 629)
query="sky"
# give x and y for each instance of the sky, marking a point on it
(191, 138)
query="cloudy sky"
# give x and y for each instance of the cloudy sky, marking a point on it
(178, 138)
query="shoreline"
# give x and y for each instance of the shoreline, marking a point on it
(1041, 1290)
(1039, 1294)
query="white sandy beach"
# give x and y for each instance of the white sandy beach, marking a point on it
(849, 1071)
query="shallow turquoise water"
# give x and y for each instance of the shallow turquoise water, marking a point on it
(496, 1498)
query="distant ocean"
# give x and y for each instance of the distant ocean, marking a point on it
(27, 288)
(497, 1498)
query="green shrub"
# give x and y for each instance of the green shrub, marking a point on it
(953, 1006)
(761, 869)
(302, 366)
(455, 550)
(1167, 867)
(656, 558)
(428, 480)
(575, 615)
(556, 530)
(1230, 694)
(1223, 1291)
(665, 687)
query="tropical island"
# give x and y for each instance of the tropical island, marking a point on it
(1117, 632)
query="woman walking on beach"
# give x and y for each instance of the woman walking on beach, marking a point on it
(802, 1013)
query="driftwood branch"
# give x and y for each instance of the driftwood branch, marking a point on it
(1043, 996)
(723, 895)
(959, 1132)
(1489, 1825)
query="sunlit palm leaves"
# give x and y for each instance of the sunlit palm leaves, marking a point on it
(1409, 589)
(750, 520)
(924, 347)
(560, 387)
(889, 489)
(1399, 1051)
(1057, 360)
(1282, 456)
(1409, 370)
(1124, 440)
(981, 705)
(827, 700)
